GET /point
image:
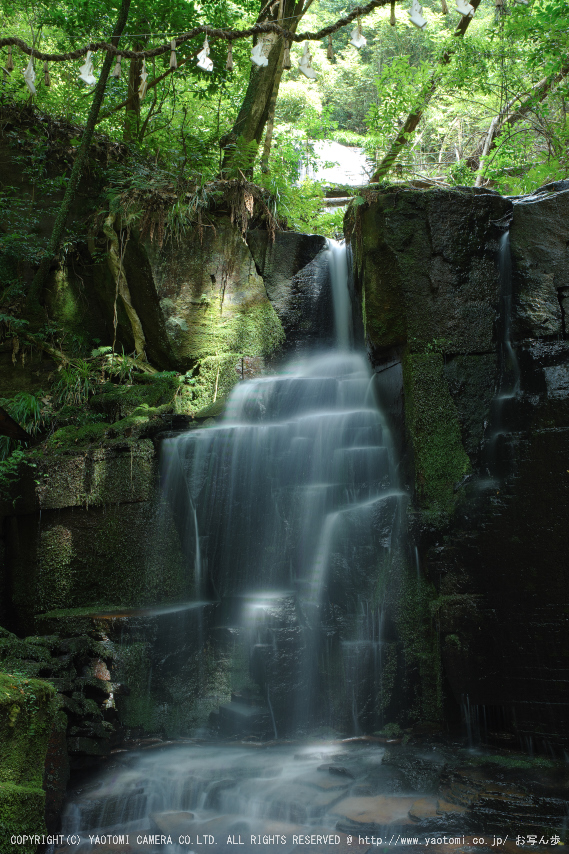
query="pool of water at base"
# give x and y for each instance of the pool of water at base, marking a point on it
(354, 795)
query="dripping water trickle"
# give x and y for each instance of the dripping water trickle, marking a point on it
(497, 452)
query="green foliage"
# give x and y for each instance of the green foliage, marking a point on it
(27, 410)
(10, 325)
(10, 471)
(398, 85)
(360, 98)
(243, 156)
(75, 383)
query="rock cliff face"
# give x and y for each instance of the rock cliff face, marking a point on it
(485, 457)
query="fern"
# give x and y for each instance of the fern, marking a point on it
(242, 157)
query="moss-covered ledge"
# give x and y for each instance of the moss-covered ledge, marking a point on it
(27, 712)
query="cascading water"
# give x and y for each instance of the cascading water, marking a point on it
(287, 510)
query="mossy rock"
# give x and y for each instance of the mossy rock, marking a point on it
(27, 712)
(426, 268)
(214, 410)
(22, 656)
(94, 559)
(22, 811)
(151, 391)
(124, 471)
(432, 420)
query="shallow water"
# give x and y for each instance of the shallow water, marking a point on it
(336, 795)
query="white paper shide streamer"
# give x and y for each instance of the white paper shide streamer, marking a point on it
(173, 60)
(86, 70)
(30, 76)
(305, 63)
(465, 9)
(416, 14)
(358, 40)
(258, 56)
(204, 62)
(143, 81)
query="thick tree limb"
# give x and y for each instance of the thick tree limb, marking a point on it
(211, 32)
(271, 118)
(508, 116)
(422, 103)
(52, 250)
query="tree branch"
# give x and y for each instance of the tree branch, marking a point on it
(422, 103)
(537, 93)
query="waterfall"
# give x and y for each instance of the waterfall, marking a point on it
(338, 263)
(295, 499)
(287, 509)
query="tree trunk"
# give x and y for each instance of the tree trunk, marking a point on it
(132, 112)
(54, 244)
(115, 263)
(263, 85)
(271, 119)
(422, 103)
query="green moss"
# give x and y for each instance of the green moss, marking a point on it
(56, 571)
(21, 657)
(391, 730)
(78, 569)
(216, 377)
(252, 330)
(432, 421)
(172, 703)
(214, 410)
(73, 437)
(512, 761)
(21, 811)
(151, 392)
(137, 708)
(27, 712)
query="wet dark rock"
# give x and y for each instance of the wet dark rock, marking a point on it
(540, 257)
(243, 719)
(337, 770)
(87, 746)
(426, 263)
(490, 537)
(214, 791)
(419, 774)
(327, 783)
(172, 823)
(295, 282)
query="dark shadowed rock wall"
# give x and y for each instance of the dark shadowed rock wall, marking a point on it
(487, 468)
